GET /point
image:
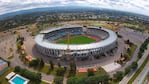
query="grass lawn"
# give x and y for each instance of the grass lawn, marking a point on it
(77, 40)
(45, 69)
(10, 57)
(139, 70)
(113, 82)
(101, 71)
(81, 74)
(33, 82)
(133, 49)
(2, 77)
(53, 72)
(44, 82)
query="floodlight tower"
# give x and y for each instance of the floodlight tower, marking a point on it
(68, 49)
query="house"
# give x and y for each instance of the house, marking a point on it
(3, 66)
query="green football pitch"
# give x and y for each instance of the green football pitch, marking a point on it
(76, 40)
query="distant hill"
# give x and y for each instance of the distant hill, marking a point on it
(57, 8)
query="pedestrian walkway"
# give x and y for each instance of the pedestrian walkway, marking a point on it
(111, 67)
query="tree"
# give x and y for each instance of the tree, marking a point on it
(102, 78)
(127, 56)
(77, 80)
(90, 72)
(58, 80)
(72, 80)
(134, 65)
(72, 66)
(81, 80)
(17, 69)
(65, 68)
(34, 63)
(127, 70)
(59, 65)
(51, 65)
(20, 39)
(118, 75)
(129, 51)
(32, 75)
(60, 71)
(143, 48)
(72, 71)
(93, 80)
(41, 64)
(139, 55)
(121, 55)
(127, 41)
(18, 47)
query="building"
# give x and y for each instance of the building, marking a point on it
(46, 46)
(3, 66)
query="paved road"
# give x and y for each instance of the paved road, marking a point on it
(128, 77)
(143, 72)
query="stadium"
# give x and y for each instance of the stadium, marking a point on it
(75, 41)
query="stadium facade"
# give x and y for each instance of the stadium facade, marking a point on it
(45, 41)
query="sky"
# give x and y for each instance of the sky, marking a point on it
(135, 6)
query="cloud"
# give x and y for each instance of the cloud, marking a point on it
(135, 6)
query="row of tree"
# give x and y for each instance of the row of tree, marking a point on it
(33, 76)
(91, 78)
(62, 70)
(120, 74)
(129, 51)
(131, 67)
(143, 48)
(37, 63)
(19, 41)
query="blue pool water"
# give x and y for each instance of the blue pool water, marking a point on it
(18, 80)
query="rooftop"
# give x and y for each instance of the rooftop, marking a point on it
(2, 62)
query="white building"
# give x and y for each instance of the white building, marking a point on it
(46, 46)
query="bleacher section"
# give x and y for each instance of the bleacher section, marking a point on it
(54, 35)
(98, 32)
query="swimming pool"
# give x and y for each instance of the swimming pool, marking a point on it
(17, 79)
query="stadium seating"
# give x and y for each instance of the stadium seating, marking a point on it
(54, 35)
